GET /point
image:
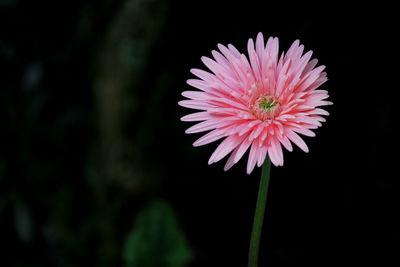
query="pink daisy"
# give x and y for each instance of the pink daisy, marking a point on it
(259, 104)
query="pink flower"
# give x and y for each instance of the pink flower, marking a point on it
(262, 103)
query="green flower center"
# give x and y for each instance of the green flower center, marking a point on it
(266, 107)
(267, 104)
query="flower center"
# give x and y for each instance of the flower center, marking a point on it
(267, 104)
(266, 108)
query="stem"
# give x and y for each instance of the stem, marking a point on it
(259, 214)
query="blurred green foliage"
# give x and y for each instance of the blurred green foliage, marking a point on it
(73, 165)
(156, 239)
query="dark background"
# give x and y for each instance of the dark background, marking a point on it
(95, 168)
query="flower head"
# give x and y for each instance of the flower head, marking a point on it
(260, 102)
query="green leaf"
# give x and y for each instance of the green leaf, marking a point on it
(156, 239)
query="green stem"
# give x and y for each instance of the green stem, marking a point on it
(259, 214)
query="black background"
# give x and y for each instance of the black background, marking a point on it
(336, 204)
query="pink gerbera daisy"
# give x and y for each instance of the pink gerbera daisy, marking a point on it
(262, 103)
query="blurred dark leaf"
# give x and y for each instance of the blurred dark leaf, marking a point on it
(156, 239)
(7, 3)
(23, 223)
(32, 76)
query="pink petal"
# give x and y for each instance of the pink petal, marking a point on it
(199, 84)
(195, 95)
(242, 149)
(198, 116)
(310, 65)
(210, 137)
(286, 143)
(261, 155)
(194, 104)
(224, 63)
(318, 111)
(251, 163)
(227, 53)
(230, 162)
(204, 75)
(304, 131)
(226, 146)
(297, 140)
(234, 50)
(254, 61)
(276, 152)
(212, 124)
